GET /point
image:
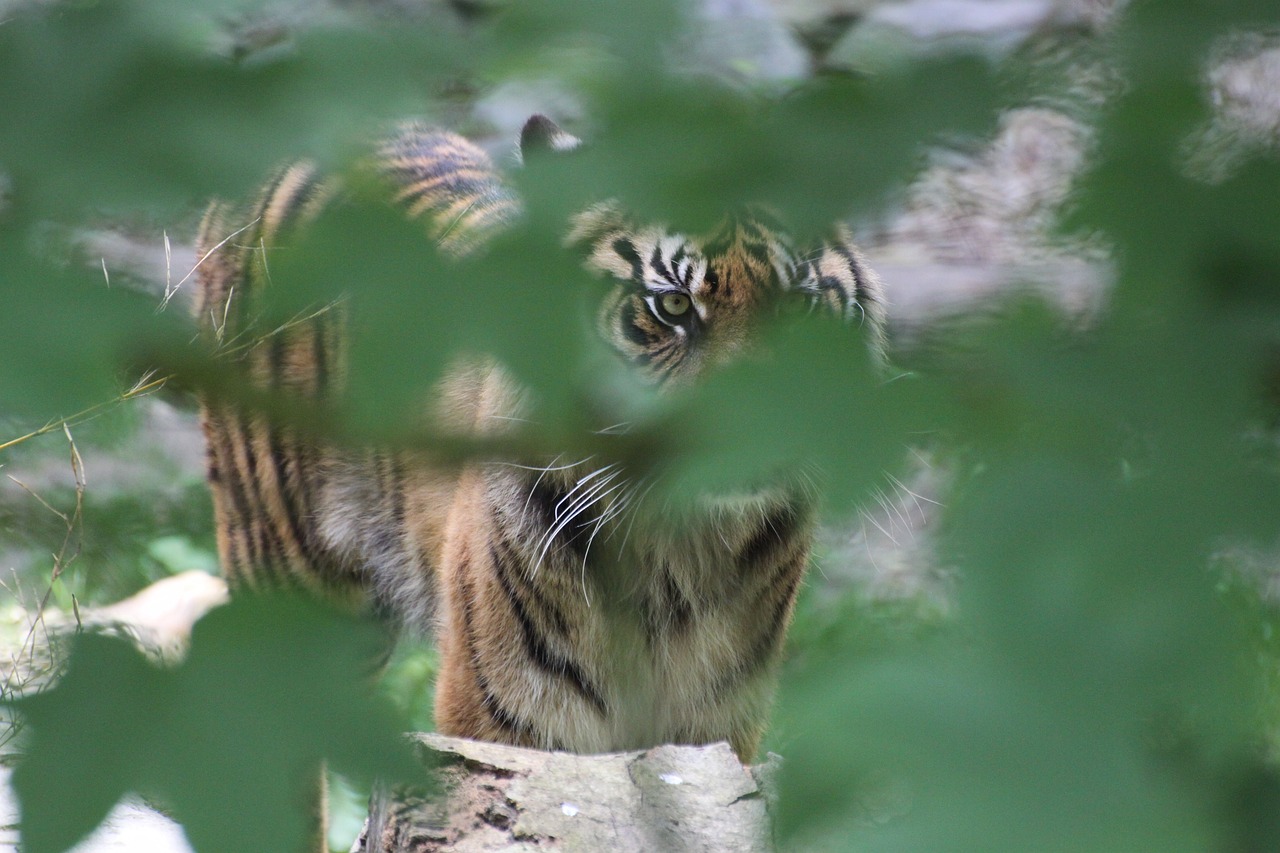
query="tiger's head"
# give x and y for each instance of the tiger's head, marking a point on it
(679, 304)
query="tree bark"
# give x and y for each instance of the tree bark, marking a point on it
(494, 797)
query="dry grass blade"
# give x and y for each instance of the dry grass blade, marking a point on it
(35, 659)
(141, 389)
(169, 288)
(170, 292)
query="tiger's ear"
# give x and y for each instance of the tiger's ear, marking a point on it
(541, 138)
(541, 134)
(599, 225)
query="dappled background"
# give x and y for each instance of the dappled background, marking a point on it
(1042, 610)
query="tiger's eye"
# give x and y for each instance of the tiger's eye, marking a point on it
(675, 304)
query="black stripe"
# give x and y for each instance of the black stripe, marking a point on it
(627, 251)
(276, 561)
(277, 348)
(712, 278)
(293, 204)
(640, 359)
(657, 264)
(237, 543)
(666, 351)
(546, 659)
(293, 494)
(320, 358)
(268, 195)
(831, 284)
(386, 543)
(211, 470)
(510, 571)
(396, 493)
(216, 304)
(758, 252)
(679, 256)
(787, 574)
(224, 424)
(544, 496)
(272, 557)
(271, 464)
(234, 305)
(803, 271)
(776, 530)
(521, 731)
(666, 612)
(301, 195)
(767, 642)
(860, 293)
(720, 243)
(450, 186)
(679, 607)
(630, 327)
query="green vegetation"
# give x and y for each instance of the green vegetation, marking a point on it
(1105, 682)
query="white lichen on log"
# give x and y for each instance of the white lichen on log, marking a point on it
(671, 798)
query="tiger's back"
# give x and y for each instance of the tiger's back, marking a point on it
(291, 512)
(570, 614)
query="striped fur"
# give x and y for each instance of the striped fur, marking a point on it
(569, 613)
(731, 278)
(449, 182)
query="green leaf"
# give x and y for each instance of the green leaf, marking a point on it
(815, 403)
(88, 740)
(1161, 41)
(68, 341)
(90, 88)
(413, 312)
(686, 153)
(231, 740)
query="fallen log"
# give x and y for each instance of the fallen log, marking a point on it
(494, 797)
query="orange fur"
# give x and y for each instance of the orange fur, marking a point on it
(569, 613)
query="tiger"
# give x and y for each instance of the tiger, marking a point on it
(552, 633)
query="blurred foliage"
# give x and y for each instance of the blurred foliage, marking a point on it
(142, 516)
(209, 738)
(1108, 694)
(1098, 689)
